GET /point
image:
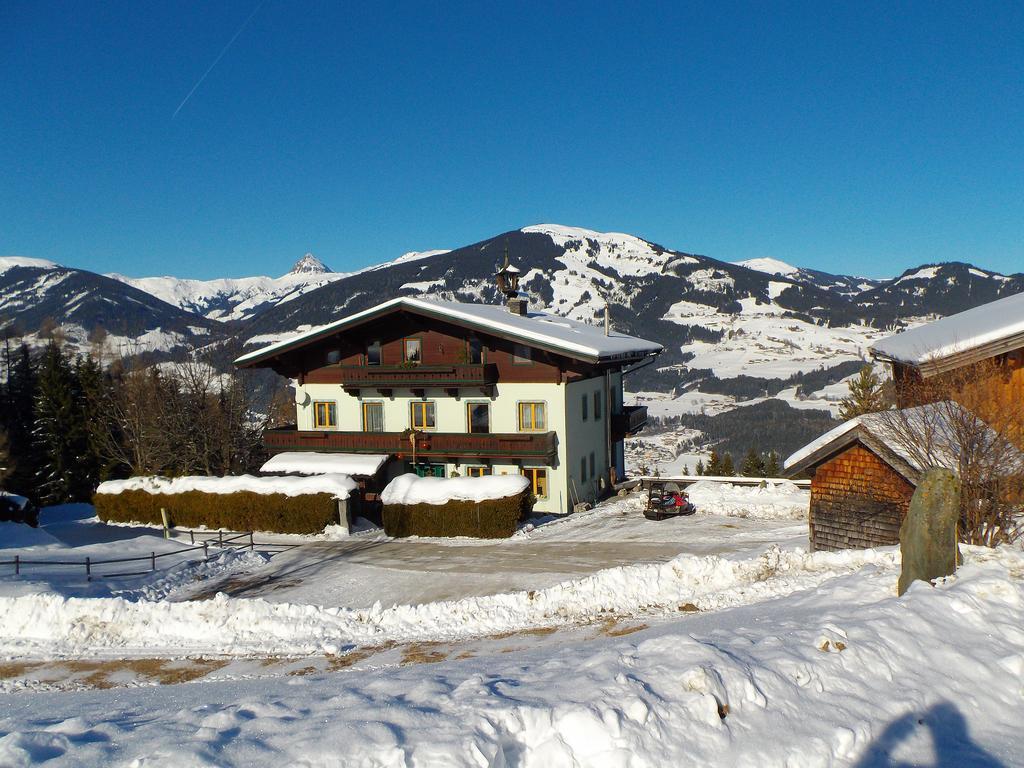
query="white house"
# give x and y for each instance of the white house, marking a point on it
(445, 387)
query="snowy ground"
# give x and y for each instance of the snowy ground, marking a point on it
(601, 639)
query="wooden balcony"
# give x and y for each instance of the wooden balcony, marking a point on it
(388, 377)
(535, 446)
(632, 419)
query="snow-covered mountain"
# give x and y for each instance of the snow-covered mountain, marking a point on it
(733, 330)
(37, 296)
(238, 298)
(843, 284)
(764, 320)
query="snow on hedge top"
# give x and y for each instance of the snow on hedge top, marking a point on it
(963, 331)
(570, 337)
(313, 463)
(413, 489)
(339, 486)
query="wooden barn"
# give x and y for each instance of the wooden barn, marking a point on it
(975, 358)
(860, 486)
(863, 477)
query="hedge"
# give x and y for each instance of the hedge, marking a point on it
(239, 511)
(492, 519)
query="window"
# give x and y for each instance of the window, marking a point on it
(532, 417)
(584, 402)
(597, 406)
(478, 471)
(325, 414)
(522, 354)
(583, 469)
(373, 417)
(373, 353)
(413, 350)
(334, 357)
(616, 400)
(592, 465)
(474, 351)
(538, 477)
(478, 417)
(422, 415)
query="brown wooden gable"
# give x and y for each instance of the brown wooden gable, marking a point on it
(441, 344)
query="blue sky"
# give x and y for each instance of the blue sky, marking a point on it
(864, 139)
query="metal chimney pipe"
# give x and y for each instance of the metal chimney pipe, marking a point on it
(607, 320)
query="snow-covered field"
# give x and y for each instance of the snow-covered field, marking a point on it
(709, 640)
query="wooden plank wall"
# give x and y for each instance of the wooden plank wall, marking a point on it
(857, 501)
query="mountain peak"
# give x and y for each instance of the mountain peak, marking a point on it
(309, 265)
(768, 265)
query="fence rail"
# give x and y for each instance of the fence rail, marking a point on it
(218, 538)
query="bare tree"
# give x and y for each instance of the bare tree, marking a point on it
(968, 420)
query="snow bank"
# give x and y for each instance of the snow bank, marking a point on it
(848, 675)
(339, 486)
(48, 624)
(778, 500)
(313, 463)
(18, 535)
(412, 489)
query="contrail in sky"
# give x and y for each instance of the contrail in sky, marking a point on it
(219, 57)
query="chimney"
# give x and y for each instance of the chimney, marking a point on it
(517, 306)
(607, 320)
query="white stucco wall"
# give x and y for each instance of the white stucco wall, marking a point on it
(451, 417)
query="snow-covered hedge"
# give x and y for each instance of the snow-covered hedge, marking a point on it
(413, 489)
(338, 486)
(480, 507)
(242, 503)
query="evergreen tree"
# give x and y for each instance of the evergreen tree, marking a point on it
(753, 465)
(728, 470)
(700, 467)
(93, 399)
(714, 465)
(772, 465)
(686, 470)
(17, 417)
(60, 435)
(867, 395)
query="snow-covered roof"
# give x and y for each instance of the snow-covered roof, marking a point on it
(314, 463)
(990, 329)
(911, 440)
(540, 329)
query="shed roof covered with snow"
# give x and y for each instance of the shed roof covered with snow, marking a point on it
(950, 342)
(316, 463)
(910, 440)
(540, 329)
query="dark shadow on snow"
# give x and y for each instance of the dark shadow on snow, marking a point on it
(951, 742)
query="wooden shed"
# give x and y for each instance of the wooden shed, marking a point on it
(862, 480)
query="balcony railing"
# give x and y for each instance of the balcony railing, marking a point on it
(407, 376)
(632, 419)
(540, 446)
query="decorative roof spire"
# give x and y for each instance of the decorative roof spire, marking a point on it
(507, 280)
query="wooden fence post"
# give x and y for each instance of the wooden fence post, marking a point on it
(88, 569)
(17, 565)
(206, 550)
(167, 523)
(152, 560)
